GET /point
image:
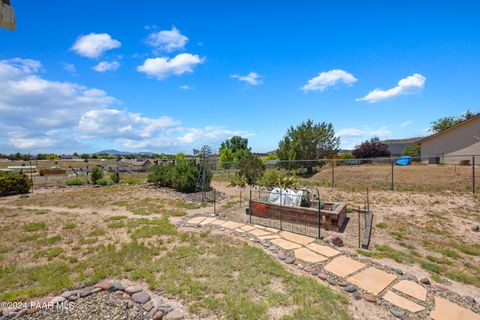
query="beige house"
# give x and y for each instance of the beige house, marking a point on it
(454, 145)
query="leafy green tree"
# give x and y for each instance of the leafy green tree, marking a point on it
(235, 144)
(447, 122)
(227, 157)
(412, 150)
(96, 175)
(309, 141)
(52, 156)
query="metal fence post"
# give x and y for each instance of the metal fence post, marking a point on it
(250, 206)
(319, 214)
(473, 175)
(333, 173)
(391, 164)
(214, 202)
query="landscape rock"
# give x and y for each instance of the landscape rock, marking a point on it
(68, 294)
(272, 248)
(58, 299)
(85, 292)
(439, 286)
(307, 269)
(116, 287)
(399, 271)
(342, 283)
(141, 297)
(332, 281)
(323, 276)
(314, 272)
(96, 290)
(335, 240)
(21, 313)
(350, 288)
(174, 315)
(133, 289)
(289, 260)
(476, 228)
(158, 315)
(357, 295)
(397, 313)
(369, 297)
(470, 299)
(281, 255)
(425, 281)
(148, 306)
(104, 285)
(411, 277)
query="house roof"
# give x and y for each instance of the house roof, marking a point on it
(402, 141)
(477, 117)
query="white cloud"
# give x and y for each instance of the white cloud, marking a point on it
(104, 66)
(161, 68)
(40, 115)
(405, 124)
(167, 40)
(327, 79)
(351, 137)
(93, 45)
(252, 78)
(409, 85)
(186, 87)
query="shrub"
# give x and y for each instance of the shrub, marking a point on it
(14, 183)
(186, 176)
(74, 182)
(162, 176)
(275, 177)
(237, 180)
(412, 150)
(115, 176)
(347, 156)
(250, 167)
(104, 182)
(96, 175)
(372, 148)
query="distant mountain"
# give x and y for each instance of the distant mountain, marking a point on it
(113, 152)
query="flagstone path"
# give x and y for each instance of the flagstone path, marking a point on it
(390, 288)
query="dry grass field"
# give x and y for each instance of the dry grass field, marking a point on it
(423, 178)
(61, 238)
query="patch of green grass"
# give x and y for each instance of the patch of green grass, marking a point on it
(406, 245)
(438, 260)
(122, 203)
(88, 240)
(463, 277)
(432, 267)
(116, 225)
(41, 212)
(33, 237)
(447, 252)
(155, 227)
(69, 226)
(473, 250)
(381, 225)
(175, 213)
(132, 180)
(398, 235)
(115, 218)
(35, 226)
(230, 204)
(396, 255)
(50, 240)
(97, 233)
(49, 253)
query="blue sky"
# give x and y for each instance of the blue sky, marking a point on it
(171, 76)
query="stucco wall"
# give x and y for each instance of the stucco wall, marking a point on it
(454, 144)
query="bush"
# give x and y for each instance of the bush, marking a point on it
(372, 148)
(250, 167)
(104, 182)
(115, 176)
(347, 156)
(14, 183)
(75, 181)
(412, 150)
(280, 178)
(237, 180)
(182, 177)
(96, 175)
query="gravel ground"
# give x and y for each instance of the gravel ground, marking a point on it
(100, 306)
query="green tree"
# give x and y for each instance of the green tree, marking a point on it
(235, 144)
(250, 167)
(227, 157)
(96, 175)
(412, 150)
(52, 156)
(447, 122)
(309, 141)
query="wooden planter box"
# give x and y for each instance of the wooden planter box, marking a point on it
(333, 214)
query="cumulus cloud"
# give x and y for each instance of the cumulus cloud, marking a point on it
(70, 67)
(40, 115)
(351, 137)
(411, 84)
(328, 79)
(252, 78)
(104, 66)
(161, 68)
(93, 45)
(167, 40)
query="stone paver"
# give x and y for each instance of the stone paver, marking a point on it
(284, 244)
(308, 255)
(372, 280)
(196, 220)
(218, 222)
(272, 230)
(269, 237)
(240, 230)
(323, 250)
(412, 289)
(232, 225)
(248, 227)
(258, 232)
(207, 221)
(303, 240)
(403, 303)
(446, 310)
(343, 266)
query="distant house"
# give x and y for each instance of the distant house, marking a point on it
(398, 146)
(454, 145)
(21, 169)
